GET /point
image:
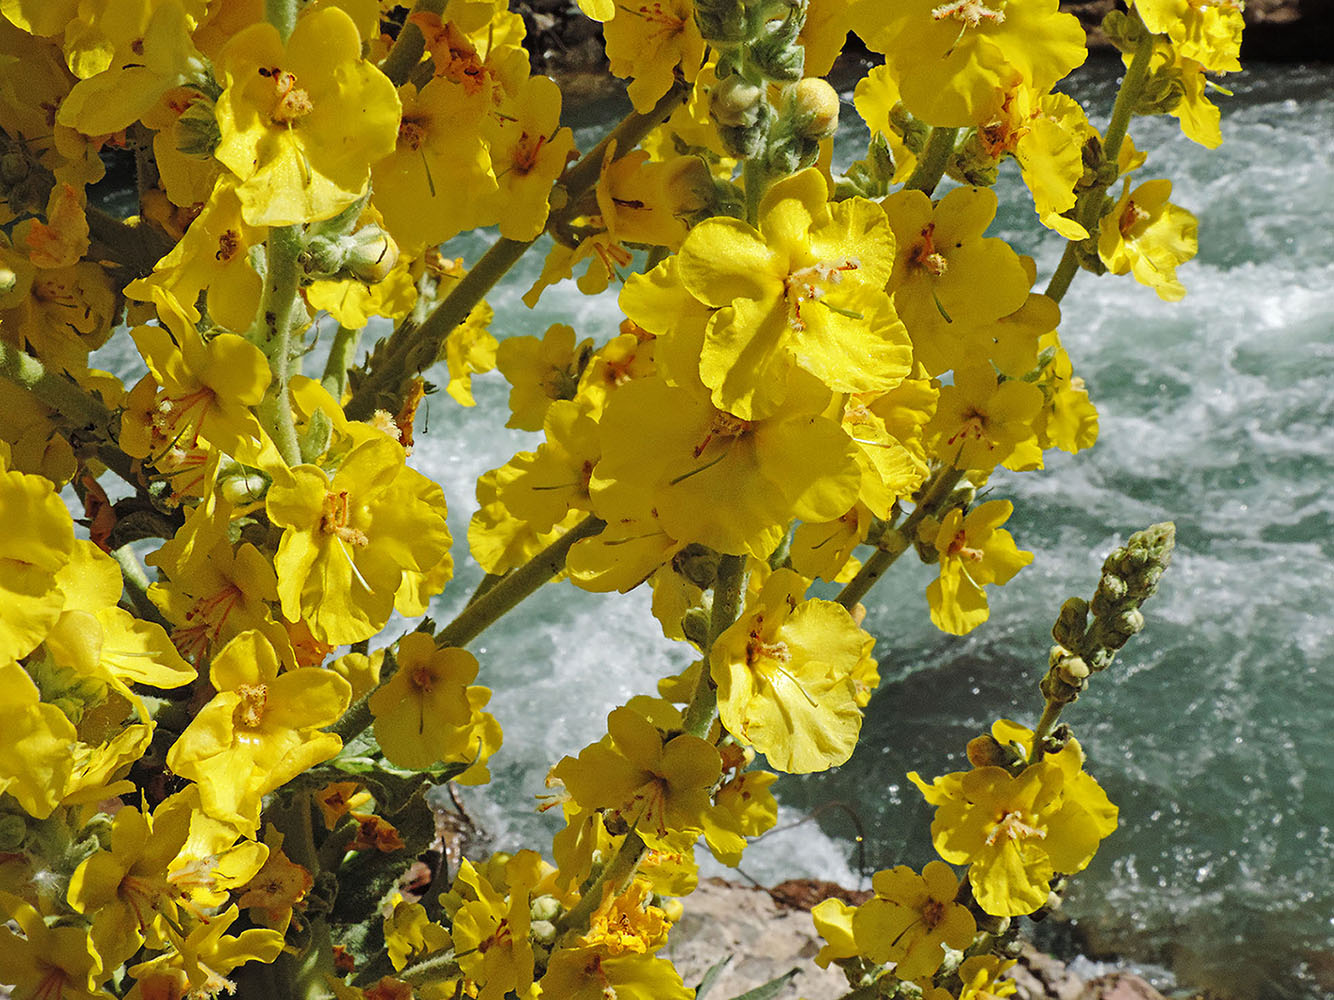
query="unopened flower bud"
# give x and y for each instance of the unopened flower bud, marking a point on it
(815, 108)
(721, 21)
(545, 907)
(776, 53)
(734, 103)
(695, 626)
(245, 487)
(543, 931)
(986, 751)
(8, 279)
(1071, 623)
(698, 564)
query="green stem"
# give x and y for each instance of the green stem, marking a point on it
(728, 591)
(412, 350)
(897, 540)
(1090, 210)
(342, 355)
(474, 619)
(137, 247)
(933, 161)
(272, 330)
(282, 15)
(1050, 713)
(136, 586)
(754, 181)
(409, 45)
(71, 402)
(444, 962)
(618, 873)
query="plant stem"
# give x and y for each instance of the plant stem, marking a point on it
(754, 179)
(727, 599)
(410, 350)
(897, 540)
(1050, 713)
(474, 619)
(1090, 210)
(409, 45)
(618, 873)
(136, 586)
(272, 331)
(134, 247)
(933, 161)
(342, 355)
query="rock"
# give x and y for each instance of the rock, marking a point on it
(764, 939)
(1119, 986)
(1039, 976)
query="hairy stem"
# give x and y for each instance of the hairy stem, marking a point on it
(484, 612)
(409, 45)
(1127, 96)
(727, 599)
(933, 161)
(272, 331)
(897, 540)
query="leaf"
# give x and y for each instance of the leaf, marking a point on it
(711, 976)
(770, 989)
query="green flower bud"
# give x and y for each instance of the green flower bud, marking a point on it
(246, 486)
(368, 254)
(543, 932)
(698, 564)
(1122, 30)
(722, 22)
(695, 625)
(734, 103)
(8, 279)
(12, 832)
(546, 907)
(199, 133)
(1072, 623)
(973, 162)
(13, 168)
(776, 52)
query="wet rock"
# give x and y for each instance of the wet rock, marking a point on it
(1119, 986)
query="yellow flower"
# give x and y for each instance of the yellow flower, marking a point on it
(410, 935)
(423, 714)
(952, 61)
(59, 962)
(302, 123)
(658, 787)
(833, 921)
(714, 478)
(948, 279)
(352, 539)
(974, 551)
(590, 974)
(651, 41)
(529, 151)
(38, 754)
(1205, 31)
(490, 930)
(784, 676)
(38, 542)
(806, 290)
(980, 422)
(260, 730)
(911, 918)
(540, 372)
(1148, 236)
(1016, 832)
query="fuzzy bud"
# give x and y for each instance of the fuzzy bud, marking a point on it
(721, 21)
(815, 108)
(734, 103)
(1071, 623)
(697, 564)
(776, 53)
(695, 626)
(8, 279)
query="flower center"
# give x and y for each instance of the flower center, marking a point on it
(412, 133)
(926, 256)
(422, 679)
(1131, 217)
(1014, 825)
(970, 12)
(249, 711)
(959, 548)
(725, 425)
(809, 284)
(333, 521)
(526, 152)
(290, 102)
(933, 913)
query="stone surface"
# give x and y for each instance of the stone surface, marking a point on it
(1119, 986)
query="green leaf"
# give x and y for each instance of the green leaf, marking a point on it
(711, 976)
(770, 989)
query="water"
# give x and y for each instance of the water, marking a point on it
(1212, 730)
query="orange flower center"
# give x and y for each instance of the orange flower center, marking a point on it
(249, 711)
(334, 520)
(808, 284)
(290, 102)
(1131, 217)
(926, 256)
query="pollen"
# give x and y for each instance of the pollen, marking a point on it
(970, 12)
(249, 711)
(334, 520)
(1012, 825)
(290, 102)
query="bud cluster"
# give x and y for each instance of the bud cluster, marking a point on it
(1130, 576)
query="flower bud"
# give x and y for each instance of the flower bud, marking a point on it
(8, 279)
(545, 907)
(243, 488)
(721, 21)
(199, 133)
(776, 52)
(543, 931)
(815, 108)
(697, 564)
(734, 103)
(368, 254)
(1072, 623)
(695, 626)
(986, 751)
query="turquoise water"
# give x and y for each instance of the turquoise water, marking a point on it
(1212, 730)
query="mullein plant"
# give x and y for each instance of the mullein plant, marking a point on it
(217, 763)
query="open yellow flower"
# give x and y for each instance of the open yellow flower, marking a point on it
(784, 676)
(1148, 236)
(302, 123)
(974, 551)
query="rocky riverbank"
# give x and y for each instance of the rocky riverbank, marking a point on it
(768, 932)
